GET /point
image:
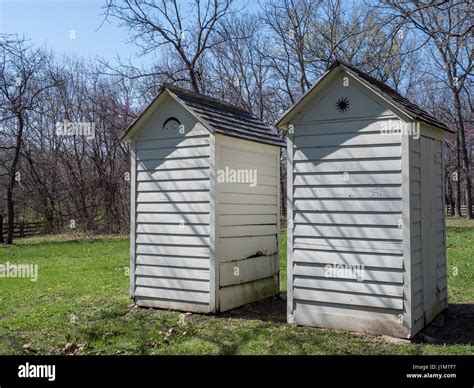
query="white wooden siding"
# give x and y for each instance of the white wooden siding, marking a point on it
(172, 219)
(355, 198)
(247, 233)
(429, 288)
(347, 209)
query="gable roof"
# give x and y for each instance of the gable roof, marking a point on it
(217, 116)
(413, 111)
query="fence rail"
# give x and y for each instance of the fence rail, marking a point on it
(447, 209)
(25, 229)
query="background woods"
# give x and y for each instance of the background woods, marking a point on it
(262, 60)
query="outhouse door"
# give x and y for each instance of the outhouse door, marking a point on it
(430, 215)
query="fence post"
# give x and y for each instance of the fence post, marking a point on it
(22, 229)
(1, 229)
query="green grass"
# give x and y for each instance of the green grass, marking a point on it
(460, 245)
(87, 278)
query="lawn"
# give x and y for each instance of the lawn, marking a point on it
(80, 305)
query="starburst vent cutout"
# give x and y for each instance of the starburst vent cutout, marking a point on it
(342, 104)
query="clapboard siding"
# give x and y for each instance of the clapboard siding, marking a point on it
(178, 164)
(342, 166)
(179, 219)
(348, 298)
(176, 284)
(172, 214)
(174, 208)
(364, 210)
(373, 205)
(180, 229)
(173, 176)
(349, 286)
(348, 179)
(247, 216)
(350, 139)
(374, 232)
(348, 218)
(172, 294)
(173, 197)
(429, 283)
(348, 192)
(247, 219)
(348, 317)
(343, 244)
(347, 211)
(370, 274)
(416, 230)
(247, 209)
(440, 227)
(173, 261)
(248, 270)
(169, 239)
(348, 258)
(349, 153)
(173, 153)
(201, 138)
(162, 249)
(172, 272)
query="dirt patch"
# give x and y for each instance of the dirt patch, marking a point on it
(271, 309)
(453, 326)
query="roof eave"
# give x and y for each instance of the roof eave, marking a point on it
(191, 111)
(402, 111)
(127, 136)
(292, 111)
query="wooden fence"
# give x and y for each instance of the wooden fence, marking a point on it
(25, 229)
(447, 209)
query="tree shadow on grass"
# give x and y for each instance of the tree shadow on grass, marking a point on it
(455, 326)
(272, 309)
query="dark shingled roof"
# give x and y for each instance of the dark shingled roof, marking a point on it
(227, 119)
(392, 95)
(221, 117)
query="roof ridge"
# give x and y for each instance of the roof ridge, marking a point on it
(396, 97)
(207, 98)
(372, 79)
(225, 118)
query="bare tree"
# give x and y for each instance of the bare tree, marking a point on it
(189, 30)
(447, 28)
(22, 83)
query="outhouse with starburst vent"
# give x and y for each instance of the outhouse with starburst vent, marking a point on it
(366, 228)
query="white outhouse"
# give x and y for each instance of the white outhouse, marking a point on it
(366, 228)
(204, 204)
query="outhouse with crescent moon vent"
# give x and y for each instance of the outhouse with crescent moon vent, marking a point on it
(366, 228)
(205, 197)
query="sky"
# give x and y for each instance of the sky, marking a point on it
(69, 27)
(66, 26)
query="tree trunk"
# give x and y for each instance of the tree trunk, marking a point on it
(11, 215)
(194, 82)
(463, 156)
(457, 183)
(13, 177)
(2, 240)
(450, 197)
